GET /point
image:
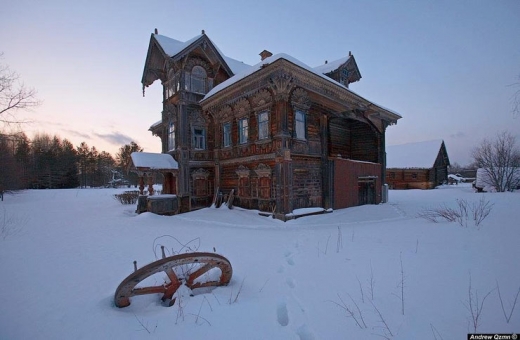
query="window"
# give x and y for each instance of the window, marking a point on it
(171, 137)
(265, 187)
(263, 125)
(172, 85)
(198, 80)
(299, 124)
(243, 130)
(200, 187)
(199, 136)
(226, 134)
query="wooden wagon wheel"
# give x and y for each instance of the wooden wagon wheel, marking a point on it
(188, 269)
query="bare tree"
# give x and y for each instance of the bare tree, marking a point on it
(500, 161)
(14, 96)
(516, 98)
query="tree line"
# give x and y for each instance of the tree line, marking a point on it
(49, 162)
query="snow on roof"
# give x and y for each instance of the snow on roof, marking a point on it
(266, 61)
(420, 155)
(158, 161)
(252, 69)
(172, 47)
(333, 65)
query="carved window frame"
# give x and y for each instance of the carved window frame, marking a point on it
(243, 130)
(263, 125)
(200, 182)
(226, 135)
(264, 174)
(244, 181)
(198, 123)
(198, 80)
(301, 105)
(171, 136)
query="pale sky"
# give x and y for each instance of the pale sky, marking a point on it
(445, 66)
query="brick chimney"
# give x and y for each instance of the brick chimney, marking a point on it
(265, 54)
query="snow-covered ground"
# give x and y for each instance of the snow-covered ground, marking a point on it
(64, 252)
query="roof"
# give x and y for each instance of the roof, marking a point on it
(255, 68)
(420, 155)
(173, 47)
(333, 65)
(154, 161)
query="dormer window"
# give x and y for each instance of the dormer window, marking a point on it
(343, 79)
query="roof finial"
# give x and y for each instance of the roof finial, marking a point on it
(350, 53)
(326, 61)
(156, 31)
(203, 32)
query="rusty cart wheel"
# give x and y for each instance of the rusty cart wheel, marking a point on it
(195, 270)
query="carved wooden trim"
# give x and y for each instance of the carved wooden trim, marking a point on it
(263, 100)
(242, 108)
(300, 99)
(263, 170)
(242, 171)
(281, 83)
(200, 174)
(196, 118)
(196, 61)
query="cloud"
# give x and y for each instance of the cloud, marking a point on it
(115, 138)
(78, 134)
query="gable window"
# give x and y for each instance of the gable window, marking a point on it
(243, 129)
(263, 125)
(299, 124)
(198, 80)
(199, 139)
(226, 135)
(171, 137)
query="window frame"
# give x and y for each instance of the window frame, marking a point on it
(302, 122)
(226, 135)
(198, 137)
(171, 136)
(263, 125)
(243, 130)
(198, 77)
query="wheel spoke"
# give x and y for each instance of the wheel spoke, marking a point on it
(204, 262)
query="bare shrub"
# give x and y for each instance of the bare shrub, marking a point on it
(508, 317)
(481, 210)
(128, 197)
(358, 318)
(477, 211)
(475, 306)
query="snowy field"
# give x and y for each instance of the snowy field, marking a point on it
(64, 252)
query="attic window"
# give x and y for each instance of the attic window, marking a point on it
(344, 77)
(198, 80)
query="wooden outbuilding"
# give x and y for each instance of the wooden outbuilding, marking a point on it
(280, 135)
(422, 165)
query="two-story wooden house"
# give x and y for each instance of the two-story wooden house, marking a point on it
(280, 134)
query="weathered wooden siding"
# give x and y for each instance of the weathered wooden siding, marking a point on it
(347, 175)
(306, 182)
(409, 179)
(353, 139)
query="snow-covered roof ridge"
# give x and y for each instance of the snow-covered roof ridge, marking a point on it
(418, 155)
(156, 161)
(333, 65)
(249, 71)
(172, 47)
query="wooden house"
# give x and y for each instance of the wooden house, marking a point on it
(280, 135)
(422, 165)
